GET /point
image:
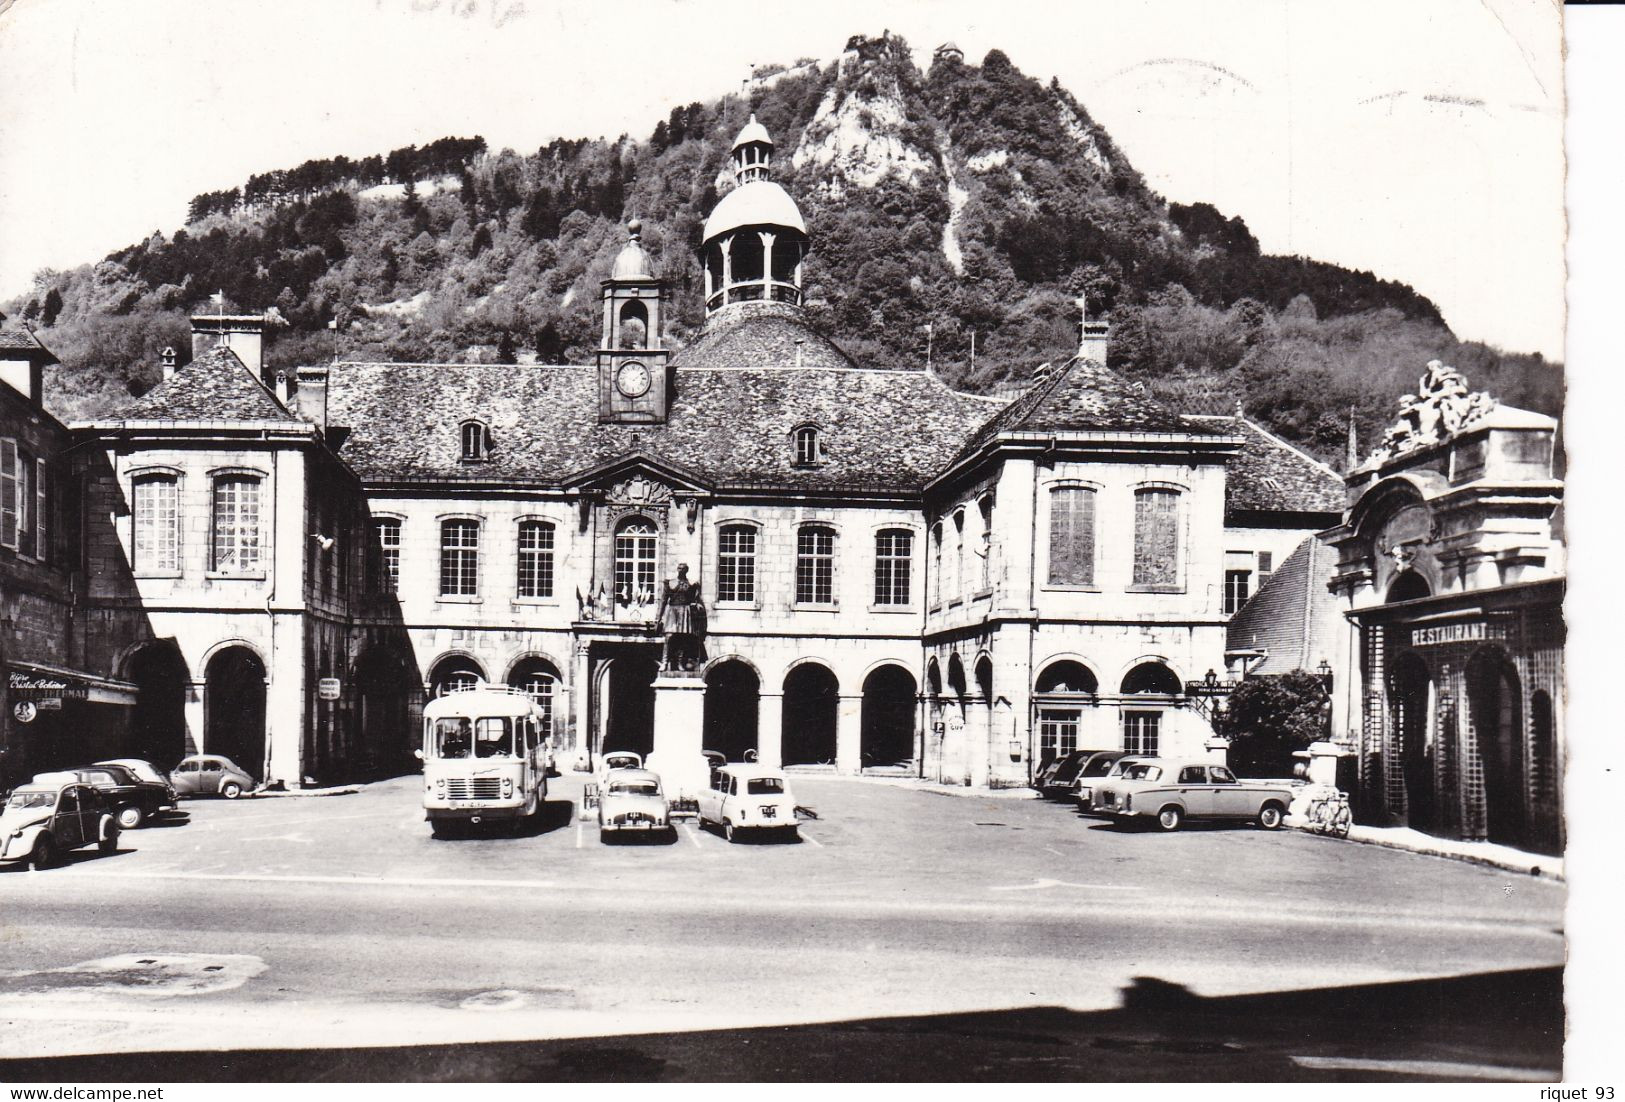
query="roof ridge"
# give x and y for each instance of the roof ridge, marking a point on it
(1270, 436)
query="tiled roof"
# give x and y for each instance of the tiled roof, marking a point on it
(216, 386)
(1274, 618)
(1268, 474)
(760, 334)
(730, 421)
(18, 338)
(1082, 396)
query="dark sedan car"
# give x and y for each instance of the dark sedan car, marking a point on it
(133, 799)
(1061, 781)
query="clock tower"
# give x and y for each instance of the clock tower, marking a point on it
(634, 381)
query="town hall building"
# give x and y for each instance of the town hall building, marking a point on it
(895, 575)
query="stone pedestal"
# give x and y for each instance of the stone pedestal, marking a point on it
(1321, 758)
(679, 730)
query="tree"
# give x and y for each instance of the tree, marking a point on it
(505, 349)
(1271, 716)
(549, 345)
(52, 307)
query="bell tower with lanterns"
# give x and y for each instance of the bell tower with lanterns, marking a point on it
(755, 240)
(634, 381)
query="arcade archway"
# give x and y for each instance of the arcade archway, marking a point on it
(887, 734)
(234, 708)
(1411, 698)
(811, 697)
(627, 702)
(158, 726)
(385, 684)
(1495, 705)
(732, 697)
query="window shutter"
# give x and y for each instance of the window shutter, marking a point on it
(41, 513)
(10, 514)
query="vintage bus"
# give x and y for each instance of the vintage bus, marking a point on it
(484, 757)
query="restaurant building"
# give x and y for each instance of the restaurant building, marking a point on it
(1451, 569)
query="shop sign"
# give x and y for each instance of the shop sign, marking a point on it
(25, 711)
(34, 686)
(1473, 631)
(327, 688)
(49, 703)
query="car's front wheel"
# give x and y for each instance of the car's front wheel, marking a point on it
(1170, 817)
(1270, 816)
(44, 855)
(131, 817)
(109, 843)
(728, 831)
(231, 790)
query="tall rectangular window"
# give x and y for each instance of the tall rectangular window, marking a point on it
(535, 559)
(1156, 537)
(984, 547)
(637, 551)
(736, 563)
(155, 508)
(1071, 536)
(1266, 567)
(956, 585)
(236, 525)
(42, 513)
(27, 508)
(1142, 732)
(11, 512)
(936, 563)
(894, 560)
(459, 558)
(1236, 590)
(815, 566)
(385, 560)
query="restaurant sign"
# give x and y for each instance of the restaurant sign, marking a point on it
(27, 685)
(1471, 631)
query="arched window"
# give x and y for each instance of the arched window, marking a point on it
(1156, 537)
(736, 563)
(155, 505)
(538, 680)
(454, 673)
(535, 559)
(1152, 677)
(637, 550)
(936, 563)
(894, 560)
(459, 558)
(1071, 535)
(984, 546)
(956, 590)
(634, 325)
(236, 525)
(808, 452)
(476, 441)
(815, 565)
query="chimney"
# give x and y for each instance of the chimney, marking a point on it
(1094, 340)
(310, 396)
(23, 360)
(244, 334)
(166, 360)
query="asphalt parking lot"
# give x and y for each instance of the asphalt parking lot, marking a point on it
(347, 926)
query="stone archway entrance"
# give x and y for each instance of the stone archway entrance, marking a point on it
(811, 697)
(385, 685)
(732, 698)
(889, 709)
(624, 700)
(158, 726)
(234, 708)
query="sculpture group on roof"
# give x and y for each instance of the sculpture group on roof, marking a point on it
(1442, 406)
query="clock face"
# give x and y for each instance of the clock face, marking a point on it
(632, 379)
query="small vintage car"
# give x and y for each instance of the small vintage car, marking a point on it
(1168, 791)
(631, 802)
(1075, 769)
(749, 798)
(1113, 769)
(210, 775)
(134, 800)
(43, 820)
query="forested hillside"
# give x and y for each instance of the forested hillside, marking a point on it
(968, 198)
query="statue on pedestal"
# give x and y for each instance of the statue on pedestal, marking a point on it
(682, 618)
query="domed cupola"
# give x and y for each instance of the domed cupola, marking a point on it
(755, 239)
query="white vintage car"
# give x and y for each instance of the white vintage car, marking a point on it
(631, 802)
(745, 799)
(1168, 791)
(42, 821)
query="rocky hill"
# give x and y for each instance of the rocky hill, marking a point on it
(959, 211)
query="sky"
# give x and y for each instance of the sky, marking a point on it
(1421, 141)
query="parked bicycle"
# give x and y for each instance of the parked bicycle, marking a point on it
(1329, 813)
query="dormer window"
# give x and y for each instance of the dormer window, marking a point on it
(476, 442)
(808, 451)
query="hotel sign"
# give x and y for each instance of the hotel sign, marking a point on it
(1472, 631)
(38, 686)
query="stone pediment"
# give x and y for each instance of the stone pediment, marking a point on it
(637, 480)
